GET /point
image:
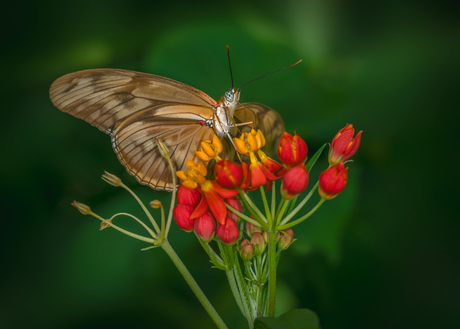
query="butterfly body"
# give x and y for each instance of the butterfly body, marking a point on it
(135, 108)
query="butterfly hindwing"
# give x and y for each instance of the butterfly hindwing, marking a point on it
(180, 127)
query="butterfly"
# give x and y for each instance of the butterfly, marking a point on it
(135, 108)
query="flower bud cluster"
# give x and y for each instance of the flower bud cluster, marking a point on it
(333, 180)
(257, 240)
(292, 152)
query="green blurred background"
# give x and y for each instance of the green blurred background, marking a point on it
(384, 254)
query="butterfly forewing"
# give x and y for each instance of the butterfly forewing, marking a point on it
(103, 97)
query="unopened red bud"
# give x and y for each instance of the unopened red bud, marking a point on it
(292, 150)
(228, 233)
(295, 181)
(246, 250)
(286, 239)
(259, 243)
(343, 145)
(235, 204)
(181, 215)
(228, 174)
(84, 209)
(188, 196)
(332, 181)
(205, 226)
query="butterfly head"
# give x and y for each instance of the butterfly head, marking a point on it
(231, 97)
(230, 100)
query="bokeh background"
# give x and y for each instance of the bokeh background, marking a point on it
(384, 254)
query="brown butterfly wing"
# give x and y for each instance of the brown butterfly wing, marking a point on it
(177, 126)
(135, 108)
(104, 97)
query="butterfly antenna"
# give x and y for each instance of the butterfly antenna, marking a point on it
(229, 64)
(266, 75)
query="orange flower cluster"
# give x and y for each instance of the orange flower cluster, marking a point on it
(201, 202)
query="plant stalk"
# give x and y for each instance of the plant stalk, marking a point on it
(193, 285)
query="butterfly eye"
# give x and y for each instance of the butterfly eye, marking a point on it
(229, 96)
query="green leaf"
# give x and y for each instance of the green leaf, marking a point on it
(315, 157)
(295, 319)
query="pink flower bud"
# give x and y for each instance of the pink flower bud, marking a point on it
(181, 215)
(235, 204)
(246, 250)
(205, 226)
(188, 196)
(295, 181)
(286, 239)
(258, 241)
(292, 150)
(332, 181)
(228, 233)
(251, 228)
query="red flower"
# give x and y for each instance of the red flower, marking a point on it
(344, 145)
(332, 181)
(228, 174)
(235, 204)
(228, 233)
(257, 175)
(205, 226)
(181, 215)
(213, 198)
(292, 150)
(294, 181)
(188, 196)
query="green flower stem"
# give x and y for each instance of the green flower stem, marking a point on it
(271, 273)
(137, 220)
(267, 209)
(249, 219)
(236, 292)
(193, 285)
(301, 219)
(231, 260)
(281, 211)
(253, 206)
(292, 204)
(260, 305)
(133, 235)
(299, 206)
(157, 229)
(248, 207)
(215, 259)
(163, 224)
(173, 197)
(273, 199)
(244, 292)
